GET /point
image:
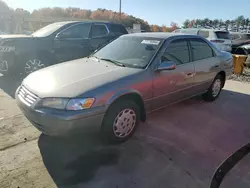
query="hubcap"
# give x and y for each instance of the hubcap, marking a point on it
(216, 87)
(33, 65)
(124, 123)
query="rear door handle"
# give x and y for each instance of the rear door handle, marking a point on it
(216, 66)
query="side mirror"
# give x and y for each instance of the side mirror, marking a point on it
(58, 36)
(61, 36)
(166, 65)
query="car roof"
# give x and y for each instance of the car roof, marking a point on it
(162, 35)
(71, 22)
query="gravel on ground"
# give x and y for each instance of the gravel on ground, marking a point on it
(244, 77)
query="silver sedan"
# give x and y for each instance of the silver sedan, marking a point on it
(117, 86)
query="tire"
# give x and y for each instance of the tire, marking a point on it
(214, 90)
(124, 114)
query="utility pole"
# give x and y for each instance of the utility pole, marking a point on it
(120, 9)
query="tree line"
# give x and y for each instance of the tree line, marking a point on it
(235, 24)
(10, 18)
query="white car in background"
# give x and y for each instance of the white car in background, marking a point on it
(221, 39)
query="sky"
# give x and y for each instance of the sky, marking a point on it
(153, 11)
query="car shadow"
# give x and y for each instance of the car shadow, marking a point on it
(75, 159)
(10, 84)
(194, 145)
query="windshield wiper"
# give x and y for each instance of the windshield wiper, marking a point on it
(93, 56)
(114, 62)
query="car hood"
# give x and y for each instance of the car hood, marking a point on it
(74, 78)
(15, 36)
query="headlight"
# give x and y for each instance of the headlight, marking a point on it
(56, 103)
(68, 104)
(80, 104)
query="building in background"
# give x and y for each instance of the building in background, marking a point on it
(136, 29)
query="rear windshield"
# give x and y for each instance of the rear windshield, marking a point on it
(222, 35)
(118, 29)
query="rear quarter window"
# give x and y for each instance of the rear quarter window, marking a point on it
(118, 29)
(203, 33)
(222, 34)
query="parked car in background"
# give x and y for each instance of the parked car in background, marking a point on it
(55, 43)
(114, 88)
(240, 43)
(221, 39)
(3, 33)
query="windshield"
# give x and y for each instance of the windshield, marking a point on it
(47, 30)
(131, 51)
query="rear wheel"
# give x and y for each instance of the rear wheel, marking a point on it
(214, 90)
(120, 121)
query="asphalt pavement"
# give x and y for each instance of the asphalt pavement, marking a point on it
(179, 146)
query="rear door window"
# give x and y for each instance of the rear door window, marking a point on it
(203, 33)
(222, 34)
(177, 51)
(200, 49)
(99, 30)
(76, 32)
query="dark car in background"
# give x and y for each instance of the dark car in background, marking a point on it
(240, 43)
(55, 43)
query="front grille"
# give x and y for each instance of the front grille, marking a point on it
(26, 96)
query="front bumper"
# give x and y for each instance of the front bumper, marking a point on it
(7, 61)
(59, 122)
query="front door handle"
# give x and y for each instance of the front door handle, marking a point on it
(190, 74)
(216, 66)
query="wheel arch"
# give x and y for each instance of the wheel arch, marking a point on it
(35, 53)
(223, 75)
(130, 95)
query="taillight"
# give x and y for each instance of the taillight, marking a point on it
(217, 41)
(248, 42)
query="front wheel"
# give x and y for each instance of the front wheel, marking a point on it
(32, 65)
(214, 90)
(120, 121)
